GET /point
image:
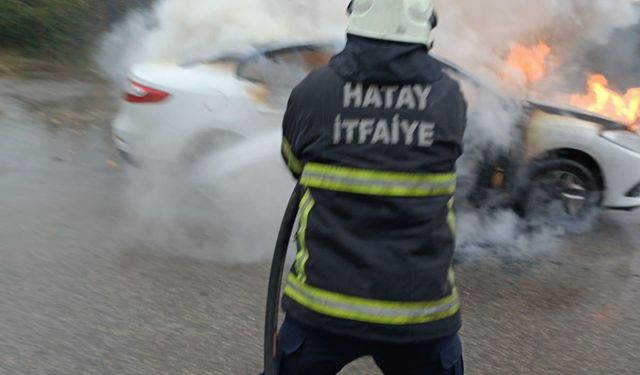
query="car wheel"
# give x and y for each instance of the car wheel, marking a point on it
(561, 191)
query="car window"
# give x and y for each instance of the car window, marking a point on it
(281, 70)
(461, 74)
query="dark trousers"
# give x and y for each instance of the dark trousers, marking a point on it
(303, 350)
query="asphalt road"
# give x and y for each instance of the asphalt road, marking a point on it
(77, 296)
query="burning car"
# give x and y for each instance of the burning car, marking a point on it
(565, 162)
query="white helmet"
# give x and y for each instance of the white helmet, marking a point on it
(409, 21)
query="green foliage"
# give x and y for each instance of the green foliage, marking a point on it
(59, 29)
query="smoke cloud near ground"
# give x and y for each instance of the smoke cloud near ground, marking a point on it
(228, 205)
(224, 206)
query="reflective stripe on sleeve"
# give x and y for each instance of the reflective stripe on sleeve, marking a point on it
(371, 311)
(373, 182)
(451, 217)
(302, 257)
(294, 164)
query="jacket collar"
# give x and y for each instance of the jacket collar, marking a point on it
(372, 60)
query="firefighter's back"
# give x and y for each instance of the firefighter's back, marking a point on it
(373, 138)
(379, 132)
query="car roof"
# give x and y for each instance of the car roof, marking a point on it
(267, 49)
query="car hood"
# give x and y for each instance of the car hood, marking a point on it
(606, 123)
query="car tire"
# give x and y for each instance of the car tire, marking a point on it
(560, 191)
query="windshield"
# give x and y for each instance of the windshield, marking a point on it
(263, 67)
(281, 70)
(458, 72)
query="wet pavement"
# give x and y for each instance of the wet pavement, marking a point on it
(78, 297)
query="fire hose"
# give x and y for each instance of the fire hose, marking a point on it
(275, 283)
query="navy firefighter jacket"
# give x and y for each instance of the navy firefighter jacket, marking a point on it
(374, 138)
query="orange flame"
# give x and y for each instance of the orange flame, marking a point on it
(529, 62)
(601, 99)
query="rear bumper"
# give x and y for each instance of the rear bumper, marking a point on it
(125, 138)
(128, 158)
(132, 136)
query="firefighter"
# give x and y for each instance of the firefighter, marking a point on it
(373, 138)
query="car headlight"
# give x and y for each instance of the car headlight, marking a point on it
(626, 139)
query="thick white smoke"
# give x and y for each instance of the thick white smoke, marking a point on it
(475, 34)
(229, 206)
(224, 206)
(188, 30)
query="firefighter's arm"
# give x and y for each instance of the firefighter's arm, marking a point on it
(290, 130)
(459, 118)
(464, 108)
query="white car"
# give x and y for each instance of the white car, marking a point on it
(566, 159)
(210, 104)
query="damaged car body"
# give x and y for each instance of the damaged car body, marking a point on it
(561, 163)
(566, 165)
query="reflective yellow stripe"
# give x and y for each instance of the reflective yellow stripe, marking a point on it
(292, 161)
(372, 182)
(302, 257)
(451, 217)
(451, 277)
(371, 311)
